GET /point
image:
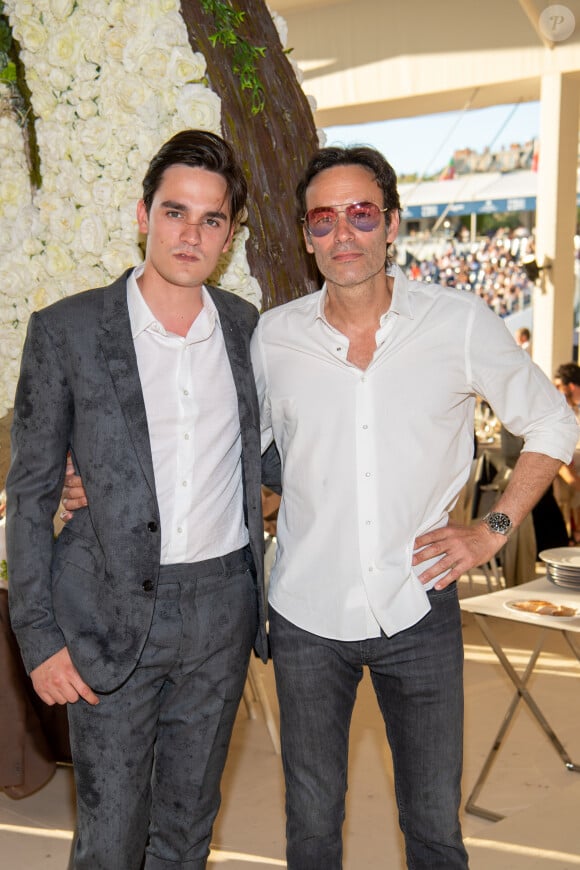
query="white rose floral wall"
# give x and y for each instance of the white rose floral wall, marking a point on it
(110, 81)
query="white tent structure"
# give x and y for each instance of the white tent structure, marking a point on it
(473, 194)
(369, 60)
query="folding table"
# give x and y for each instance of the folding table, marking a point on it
(493, 604)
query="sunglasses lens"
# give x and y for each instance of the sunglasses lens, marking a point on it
(320, 221)
(363, 216)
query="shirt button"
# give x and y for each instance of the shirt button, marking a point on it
(365, 426)
(186, 436)
(368, 522)
(152, 526)
(371, 569)
(186, 392)
(368, 474)
(148, 586)
(179, 530)
(184, 482)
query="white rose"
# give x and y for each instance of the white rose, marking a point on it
(86, 79)
(312, 103)
(63, 221)
(10, 195)
(61, 9)
(92, 235)
(30, 33)
(281, 26)
(59, 78)
(186, 66)
(64, 48)
(51, 140)
(57, 259)
(31, 246)
(166, 6)
(199, 108)
(128, 222)
(44, 100)
(25, 8)
(154, 64)
(87, 109)
(153, 115)
(91, 30)
(297, 71)
(102, 191)
(90, 275)
(120, 255)
(94, 137)
(124, 94)
(12, 285)
(115, 41)
(88, 170)
(110, 10)
(171, 30)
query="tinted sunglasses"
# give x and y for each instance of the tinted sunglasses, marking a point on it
(363, 216)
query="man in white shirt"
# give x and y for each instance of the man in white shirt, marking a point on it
(142, 614)
(368, 389)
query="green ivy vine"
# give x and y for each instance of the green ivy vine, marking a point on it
(245, 55)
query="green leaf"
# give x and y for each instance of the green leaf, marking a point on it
(8, 74)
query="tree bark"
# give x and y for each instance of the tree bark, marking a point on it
(273, 148)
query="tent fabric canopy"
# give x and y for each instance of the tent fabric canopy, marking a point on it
(480, 193)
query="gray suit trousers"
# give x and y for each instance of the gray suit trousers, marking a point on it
(149, 757)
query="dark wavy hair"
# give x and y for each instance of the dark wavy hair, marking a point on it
(357, 155)
(198, 148)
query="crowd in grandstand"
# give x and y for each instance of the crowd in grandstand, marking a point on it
(491, 267)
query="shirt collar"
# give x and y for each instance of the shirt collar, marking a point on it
(400, 303)
(141, 316)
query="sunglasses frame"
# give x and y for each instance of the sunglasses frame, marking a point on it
(342, 208)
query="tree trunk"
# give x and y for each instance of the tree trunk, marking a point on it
(273, 147)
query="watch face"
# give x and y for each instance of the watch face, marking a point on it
(499, 523)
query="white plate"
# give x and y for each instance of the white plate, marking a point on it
(562, 557)
(512, 605)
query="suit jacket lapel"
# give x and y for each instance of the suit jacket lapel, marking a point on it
(119, 351)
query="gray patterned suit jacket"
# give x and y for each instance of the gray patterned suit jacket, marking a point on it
(93, 589)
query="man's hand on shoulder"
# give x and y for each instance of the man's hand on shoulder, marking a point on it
(73, 492)
(57, 681)
(460, 548)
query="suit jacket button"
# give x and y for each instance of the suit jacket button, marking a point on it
(148, 586)
(152, 526)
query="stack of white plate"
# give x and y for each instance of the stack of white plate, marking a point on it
(563, 566)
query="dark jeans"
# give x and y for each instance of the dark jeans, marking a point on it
(418, 680)
(149, 757)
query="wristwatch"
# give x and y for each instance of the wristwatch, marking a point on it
(498, 522)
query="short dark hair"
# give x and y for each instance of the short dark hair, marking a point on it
(568, 373)
(198, 148)
(354, 155)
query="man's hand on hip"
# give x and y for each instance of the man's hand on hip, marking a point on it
(460, 548)
(57, 681)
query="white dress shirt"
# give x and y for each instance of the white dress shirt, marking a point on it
(194, 430)
(373, 458)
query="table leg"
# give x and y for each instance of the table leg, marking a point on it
(521, 694)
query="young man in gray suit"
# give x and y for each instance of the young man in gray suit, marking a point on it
(142, 614)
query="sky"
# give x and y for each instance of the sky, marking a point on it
(425, 145)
